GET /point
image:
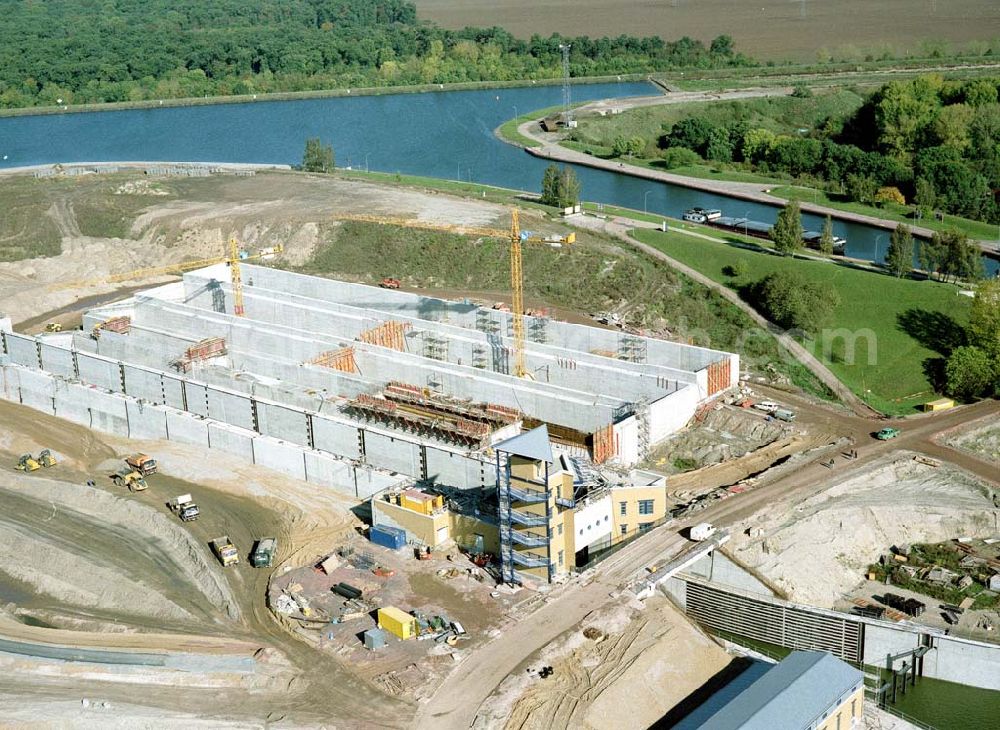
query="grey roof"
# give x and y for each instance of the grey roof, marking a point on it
(793, 694)
(533, 444)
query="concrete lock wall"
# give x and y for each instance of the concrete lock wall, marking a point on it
(283, 423)
(952, 659)
(336, 437)
(144, 383)
(393, 454)
(125, 416)
(22, 350)
(669, 415)
(230, 407)
(100, 371)
(58, 361)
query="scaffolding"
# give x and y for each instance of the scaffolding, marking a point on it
(539, 328)
(435, 347)
(479, 356)
(424, 423)
(486, 322)
(119, 325)
(491, 414)
(206, 349)
(341, 360)
(388, 334)
(632, 348)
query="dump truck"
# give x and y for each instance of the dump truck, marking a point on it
(141, 463)
(46, 458)
(887, 433)
(225, 551)
(27, 463)
(184, 507)
(702, 531)
(263, 553)
(783, 414)
(129, 478)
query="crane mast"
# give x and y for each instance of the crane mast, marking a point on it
(235, 274)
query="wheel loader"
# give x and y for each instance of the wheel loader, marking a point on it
(27, 463)
(131, 479)
(46, 458)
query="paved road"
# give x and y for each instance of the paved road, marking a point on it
(455, 704)
(756, 192)
(801, 354)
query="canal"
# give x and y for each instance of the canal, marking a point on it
(438, 134)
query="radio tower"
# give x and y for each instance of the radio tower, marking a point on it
(564, 47)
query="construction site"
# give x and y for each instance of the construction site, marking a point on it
(407, 508)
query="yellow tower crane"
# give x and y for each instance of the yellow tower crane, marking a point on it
(514, 236)
(234, 258)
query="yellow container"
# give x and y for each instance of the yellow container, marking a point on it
(941, 404)
(397, 622)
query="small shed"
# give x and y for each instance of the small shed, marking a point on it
(374, 639)
(397, 622)
(941, 404)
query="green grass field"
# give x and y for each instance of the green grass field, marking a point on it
(900, 326)
(890, 211)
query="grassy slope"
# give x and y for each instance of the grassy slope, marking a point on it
(596, 274)
(779, 114)
(891, 211)
(911, 320)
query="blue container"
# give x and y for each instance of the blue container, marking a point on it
(388, 537)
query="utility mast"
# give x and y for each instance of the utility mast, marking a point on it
(564, 47)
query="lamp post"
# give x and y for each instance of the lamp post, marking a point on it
(515, 113)
(746, 220)
(877, 238)
(645, 197)
(366, 161)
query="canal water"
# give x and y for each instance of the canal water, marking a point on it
(447, 134)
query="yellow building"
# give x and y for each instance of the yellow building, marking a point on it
(635, 509)
(397, 622)
(427, 519)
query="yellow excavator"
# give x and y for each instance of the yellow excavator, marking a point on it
(46, 458)
(27, 463)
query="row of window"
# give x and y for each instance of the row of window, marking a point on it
(645, 507)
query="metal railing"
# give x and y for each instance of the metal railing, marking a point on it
(527, 519)
(529, 560)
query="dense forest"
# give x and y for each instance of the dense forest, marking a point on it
(928, 141)
(87, 51)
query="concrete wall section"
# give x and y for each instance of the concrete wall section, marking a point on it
(173, 392)
(283, 423)
(232, 440)
(670, 413)
(145, 420)
(336, 437)
(282, 457)
(393, 454)
(58, 361)
(143, 383)
(457, 470)
(108, 412)
(35, 389)
(197, 398)
(100, 372)
(187, 429)
(229, 407)
(22, 350)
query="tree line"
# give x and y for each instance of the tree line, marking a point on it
(76, 51)
(930, 141)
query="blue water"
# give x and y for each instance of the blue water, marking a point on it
(440, 134)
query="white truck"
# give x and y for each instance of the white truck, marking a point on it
(702, 531)
(184, 507)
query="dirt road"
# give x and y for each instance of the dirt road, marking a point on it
(457, 700)
(316, 688)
